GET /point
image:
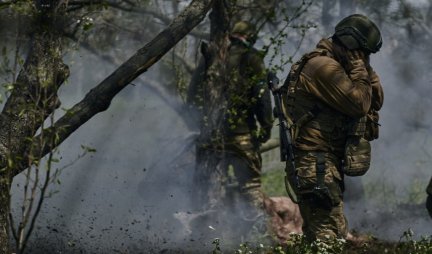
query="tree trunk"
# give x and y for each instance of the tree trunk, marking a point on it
(4, 215)
(99, 98)
(34, 96)
(33, 99)
(209, 171)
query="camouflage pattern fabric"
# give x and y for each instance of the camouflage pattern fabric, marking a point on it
(249, 99)
(243, 157)
(321, 221)
(248, 122)
(249, 103)
(343, 96)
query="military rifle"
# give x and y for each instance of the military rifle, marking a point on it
(286, 144)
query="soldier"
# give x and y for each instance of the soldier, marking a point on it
(249, 103)
(333, 96)
(429, 198)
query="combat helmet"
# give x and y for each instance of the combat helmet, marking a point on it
(245, 28)
(359, 32)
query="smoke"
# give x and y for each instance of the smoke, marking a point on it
(394, 189)
(390, 198)
(395, 186)
(123, 196)
(135, 194)
(129, 195)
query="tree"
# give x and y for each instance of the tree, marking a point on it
(34, 94)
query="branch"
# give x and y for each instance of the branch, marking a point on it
(99, 98)
(269, 145)
(162, 92)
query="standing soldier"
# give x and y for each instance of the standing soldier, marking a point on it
(333, 96)
(429, 198)
(248, 103)
(233, 189)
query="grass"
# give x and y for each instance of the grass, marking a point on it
(273, 183)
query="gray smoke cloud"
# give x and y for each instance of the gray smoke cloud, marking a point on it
(125, 196)
(395, 186)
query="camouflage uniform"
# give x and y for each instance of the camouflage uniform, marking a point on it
(248, 102)
(429, 198)
(339, 97)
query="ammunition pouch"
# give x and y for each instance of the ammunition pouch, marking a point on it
(357, 157)
(357, 150)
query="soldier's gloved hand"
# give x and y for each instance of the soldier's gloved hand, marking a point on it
(355, 55)
(358, 69)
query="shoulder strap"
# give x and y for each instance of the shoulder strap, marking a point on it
(295, 71)
(291, 84)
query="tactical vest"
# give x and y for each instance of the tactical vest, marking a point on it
(318, 127)
(242, 97)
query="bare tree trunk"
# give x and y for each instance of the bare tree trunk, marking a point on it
(210, 142)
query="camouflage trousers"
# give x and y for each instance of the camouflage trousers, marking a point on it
(243, 201)
(228, 193)
(242, 165)
(321, 209)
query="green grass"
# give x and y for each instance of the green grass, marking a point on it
(273, 183)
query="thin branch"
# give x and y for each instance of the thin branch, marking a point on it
(133, 9)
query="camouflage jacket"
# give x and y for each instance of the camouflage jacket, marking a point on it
(342, 97)
(247, 93)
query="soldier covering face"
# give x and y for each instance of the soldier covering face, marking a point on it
(332, 99)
